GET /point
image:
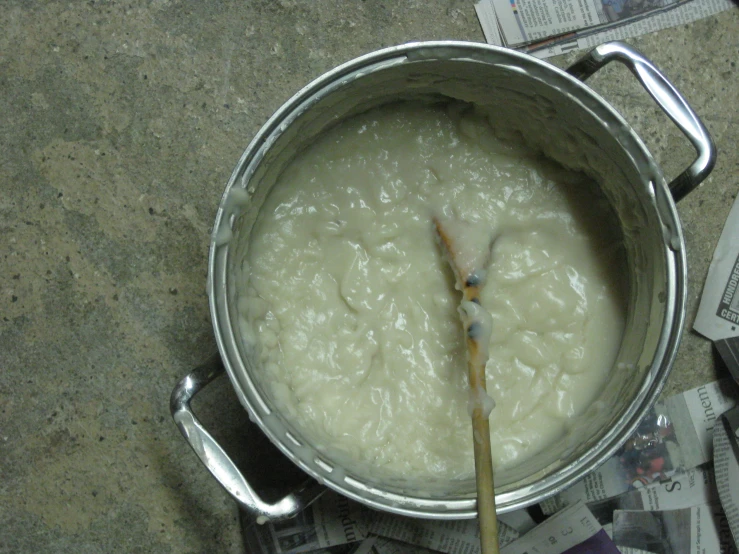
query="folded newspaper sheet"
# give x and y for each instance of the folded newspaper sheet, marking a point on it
(332, 520)
(676, 436)
(574, 530)
(450, 537)
(726, 466)
(547, 28)
(696, 486)
(520, 520)
(384, 545)
(698, 529)
(718, 314)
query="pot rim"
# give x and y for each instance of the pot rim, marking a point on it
(653, 379)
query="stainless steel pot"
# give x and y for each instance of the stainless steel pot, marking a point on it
(561, 116)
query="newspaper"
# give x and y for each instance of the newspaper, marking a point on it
(718, 314)
(365, 547)
(726, 466)
(694, 414)
(547, 28)
(520, 520)
(675, 436)
(696, 486)
(697, 529)
(608, 528)
(384, 545)
(574, 530)
(329, 524)
(450, 537)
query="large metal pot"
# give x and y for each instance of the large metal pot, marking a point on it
(568, 121)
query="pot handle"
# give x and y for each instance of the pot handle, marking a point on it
(668, 98)
(218, 462)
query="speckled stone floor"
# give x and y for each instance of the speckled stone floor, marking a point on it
(121, 122)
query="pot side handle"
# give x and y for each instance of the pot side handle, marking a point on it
(218, 462)
(667, 97)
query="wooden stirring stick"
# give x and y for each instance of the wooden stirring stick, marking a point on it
(469, 278)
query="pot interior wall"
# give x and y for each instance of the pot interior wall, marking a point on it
(568, 129)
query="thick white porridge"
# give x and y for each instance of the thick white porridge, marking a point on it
(355, 310)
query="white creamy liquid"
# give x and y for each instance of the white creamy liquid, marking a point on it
(355, 310)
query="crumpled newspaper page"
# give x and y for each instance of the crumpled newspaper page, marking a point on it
(544, 28)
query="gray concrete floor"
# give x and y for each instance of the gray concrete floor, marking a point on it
(121, 122)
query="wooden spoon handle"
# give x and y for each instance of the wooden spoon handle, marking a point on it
(486, 513)
(485, 486)
(469, 280)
